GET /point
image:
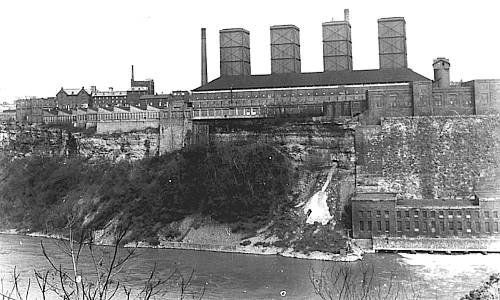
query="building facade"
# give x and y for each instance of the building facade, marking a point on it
(73, 98)
(383, 215)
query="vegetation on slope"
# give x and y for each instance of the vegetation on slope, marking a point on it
(246, 183)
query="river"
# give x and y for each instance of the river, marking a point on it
(244, 276)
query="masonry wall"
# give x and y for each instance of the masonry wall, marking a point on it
(430, 157)
(116, 126)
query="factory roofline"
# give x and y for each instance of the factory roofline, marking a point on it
(296, 80)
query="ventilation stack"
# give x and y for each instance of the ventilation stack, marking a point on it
(392, 43)
(234, 52)
(204, 56)
(337, 45)
(285, 49)
(441, 67)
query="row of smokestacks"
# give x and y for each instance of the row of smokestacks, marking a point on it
(285, 47)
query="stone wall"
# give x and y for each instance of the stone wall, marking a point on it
(430, 157)
(437, 244)
(118, 126)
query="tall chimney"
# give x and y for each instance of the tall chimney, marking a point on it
(337, 45)
(203, 56)
(132, 72)
(392, 43)
(234, 52)
(285, 49)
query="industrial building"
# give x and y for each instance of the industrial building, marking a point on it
(392, 90)
(397, 224)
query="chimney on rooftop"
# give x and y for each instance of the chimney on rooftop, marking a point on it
(234, 52)
(132, 73)
(392, 43)
(346, 14)
(203, 56)
(110, 89)
(285, 49)
(337, 45)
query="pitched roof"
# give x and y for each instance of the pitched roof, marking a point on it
(292, 80)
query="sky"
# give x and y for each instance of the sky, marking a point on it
(46, 45)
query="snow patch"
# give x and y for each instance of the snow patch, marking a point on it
(318, 205)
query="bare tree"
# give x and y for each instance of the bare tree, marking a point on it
(102, 283)
(346, 281)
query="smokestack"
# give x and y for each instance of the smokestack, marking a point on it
(234, 52)
(337, 45)
(392, 43)
(132, 72)
(203, 56)
(285, 49)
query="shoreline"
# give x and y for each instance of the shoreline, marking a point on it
(254, 250)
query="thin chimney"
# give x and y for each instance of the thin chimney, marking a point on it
(132, 72)
(346, 14)
(204, 76)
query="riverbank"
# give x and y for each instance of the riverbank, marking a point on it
(355, 255)
(256, 250)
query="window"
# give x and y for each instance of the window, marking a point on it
(477, 214)
(441, 226)
(361, 214)
(368, 214)
(478, 226)
(407, 213)
(424, 226)
(424, 214)
(486, 214)
(450, 214)
(495, 227)
(398, 213)
(459, 214)
(416, 226)
(415, 213)
(379, 225)
(495, 214)
(438, 101)
(433, 214)
(378, 213)
(386, 214)
(407, 225)
(433, 224)
(487, 226)
(369, 226)
(400, 226)
(441, 214)
(450, 226)
(361, 226)
(387, 226)
(459, 226)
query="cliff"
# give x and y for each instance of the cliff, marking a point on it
(245, 179)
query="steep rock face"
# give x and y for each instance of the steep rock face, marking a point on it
(128, 146)
(314, 149)
(24, 140)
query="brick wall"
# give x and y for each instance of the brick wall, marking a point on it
(430, 157)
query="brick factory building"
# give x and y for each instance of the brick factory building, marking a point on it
(393, 90)
(392, 223)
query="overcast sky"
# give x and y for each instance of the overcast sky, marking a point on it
(47, 45)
